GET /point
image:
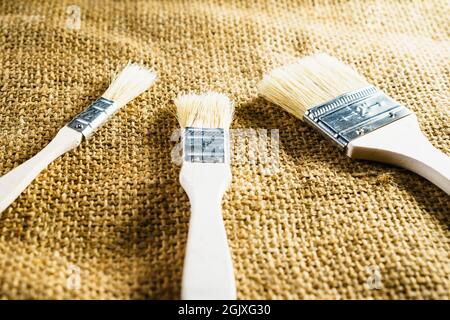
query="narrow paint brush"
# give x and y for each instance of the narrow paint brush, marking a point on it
(127, 85)
(205, 175)
(355, 115)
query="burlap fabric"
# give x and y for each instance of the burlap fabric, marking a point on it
(110, 219)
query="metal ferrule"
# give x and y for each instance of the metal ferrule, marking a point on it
(204, 145)
(355, 114)
(88, 121)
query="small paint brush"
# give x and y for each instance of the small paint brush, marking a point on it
(205, 175)
(127, 85)
(355, 115)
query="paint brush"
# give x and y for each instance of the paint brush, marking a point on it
(355, 115)
(205, 175)
(127, 85)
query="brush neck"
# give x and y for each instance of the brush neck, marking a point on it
(211, 179)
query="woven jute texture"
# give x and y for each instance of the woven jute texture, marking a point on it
(109, 220)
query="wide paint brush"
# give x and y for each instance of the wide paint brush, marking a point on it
(355, 115)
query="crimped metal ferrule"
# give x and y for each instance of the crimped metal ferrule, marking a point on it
(355, 114)
(204, 145)
(93, 117)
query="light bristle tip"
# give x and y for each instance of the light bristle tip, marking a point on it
(310, 82)
(129, 83)
(208, 110)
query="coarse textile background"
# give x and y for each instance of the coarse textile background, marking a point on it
(110, 219)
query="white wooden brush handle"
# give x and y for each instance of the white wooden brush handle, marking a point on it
(208, 269)
(402, 143)
(15, 181)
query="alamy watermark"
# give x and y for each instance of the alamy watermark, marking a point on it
(73, 20)
(374, 279)
(73, 280)
(258, 147)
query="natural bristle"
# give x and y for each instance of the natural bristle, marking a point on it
(209, 110)
(311, 81)
(133, 80)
